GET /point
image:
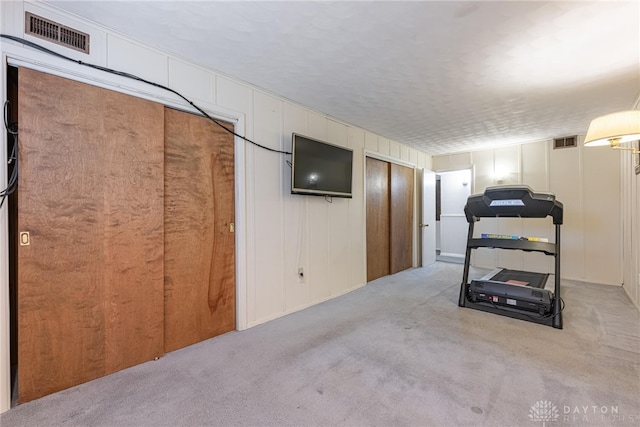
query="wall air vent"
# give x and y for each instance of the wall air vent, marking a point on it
(56, 33)
(566, 142)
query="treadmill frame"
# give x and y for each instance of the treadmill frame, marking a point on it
(552, 208)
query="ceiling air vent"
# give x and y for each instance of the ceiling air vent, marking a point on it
(566, 142)
(56, 33)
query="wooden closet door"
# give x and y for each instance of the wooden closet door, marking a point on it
(377, 219)
(90, 281)
(401, 218)
(199, 236)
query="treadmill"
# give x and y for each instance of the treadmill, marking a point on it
(514, 293)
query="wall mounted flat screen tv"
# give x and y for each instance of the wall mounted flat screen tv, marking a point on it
(319, 168)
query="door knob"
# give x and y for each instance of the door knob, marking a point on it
(424, 225)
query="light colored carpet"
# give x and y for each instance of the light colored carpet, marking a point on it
(398, 352)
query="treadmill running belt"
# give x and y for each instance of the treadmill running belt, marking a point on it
(535, 280)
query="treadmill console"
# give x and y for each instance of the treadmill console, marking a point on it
(513, 201)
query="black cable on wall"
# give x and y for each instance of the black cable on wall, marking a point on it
(140, 79)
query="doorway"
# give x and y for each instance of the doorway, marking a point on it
(427, 226)
(453, 188)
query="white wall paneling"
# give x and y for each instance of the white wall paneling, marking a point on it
(631, 227)
(266, 210)
(317, 126)
(371, 142)
(602, 216)
(631, 223)
(632, 232)
(235, 97)
(394, 150)
(405, 153)
(566, 182)
(535, 165)
(357, 214)
(318, 274)
(136, 59)
(483, 170)
(200, 86)
(506, 165)
(295, 219)
(384, 146)
(339, 259)
(451, 162)
(414, 158)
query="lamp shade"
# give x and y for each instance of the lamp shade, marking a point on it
(624, 125)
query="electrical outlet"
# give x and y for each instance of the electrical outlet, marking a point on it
(301, 274)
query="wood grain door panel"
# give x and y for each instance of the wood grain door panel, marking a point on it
(377, 175)
(401, 218)
(199, 244)
(90, 284)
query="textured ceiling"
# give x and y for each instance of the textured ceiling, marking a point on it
(442, 77)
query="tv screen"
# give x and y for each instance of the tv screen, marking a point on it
(319, 168)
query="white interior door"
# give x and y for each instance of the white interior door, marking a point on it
(428, 221)
(455, 189)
